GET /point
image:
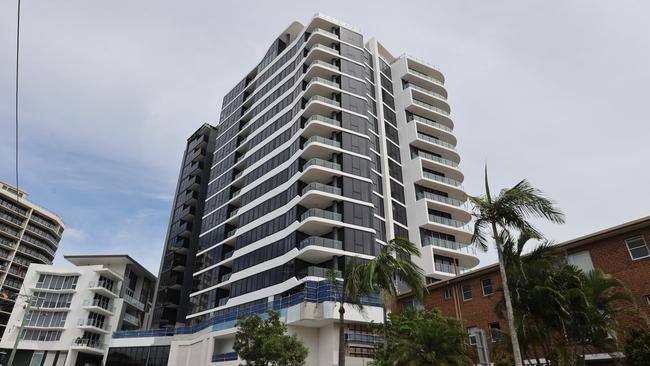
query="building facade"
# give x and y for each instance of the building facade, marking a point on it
(178, 259)
(330, 147)
(28, 234)
(73, 309)
(621, 251)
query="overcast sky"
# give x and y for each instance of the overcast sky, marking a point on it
(555, 92)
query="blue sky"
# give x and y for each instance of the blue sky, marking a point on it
(552, 91)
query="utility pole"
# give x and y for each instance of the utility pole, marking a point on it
(27, 307)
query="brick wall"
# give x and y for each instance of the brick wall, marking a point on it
(607, 251)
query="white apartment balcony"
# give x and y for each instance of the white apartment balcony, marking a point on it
(320, 105)
(131, 300)
(89, 346)
(428, 111)
(435, 163)
(450, 183)
(429, 96)
(429, 82)
(318, 147)
(320, 35)
(465, 253)
(323, 69)
(319, 51)
(316, 221)
(104, 288)
(321, 86)
(433, 128)
(98, 306)
(429, 143)
(319, 195)
(458, 208)
(456, 225)
(318, 125)
(320, 170)
(93, 325)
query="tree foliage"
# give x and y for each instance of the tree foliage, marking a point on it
(561, 313)
(264, 342)
(418, 338)
(637, 348)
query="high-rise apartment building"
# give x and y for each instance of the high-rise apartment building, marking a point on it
(175, 277)
(327, 149)
(28, 234)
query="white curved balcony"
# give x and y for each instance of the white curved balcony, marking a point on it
(432, 127)
(320, 125)
(429, 96)
(447, 204)
(321, 86)
(320, 170)
(320, 147)
(428, 111)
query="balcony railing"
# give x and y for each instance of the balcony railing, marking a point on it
(94, 323)
(323, 163)
(323, 63)
(449, 222)
(323, 119)
(225, 277)
(323, 47)
(436, 141)
(443, 199)
(318, 98)
(431, 107)
(133, 301)
(430, 78)
(324, 81)
(323, 31)
(11, 219)
(429, 156)
(13, 207)
(425, 91)
(103, 284)
(223, 301)
(315, 186)
(431, 123)
(222, 357)
(132, 319)
(314, 271)
(317, 212)
(101, 304)
(89, 343)
(321, 242)
(437, 242)
(449, 268)
(323, 140)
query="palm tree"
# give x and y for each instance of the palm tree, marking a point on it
(350, 291)
(510, 211)
(392, 263)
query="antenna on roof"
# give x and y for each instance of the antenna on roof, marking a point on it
(16, 112)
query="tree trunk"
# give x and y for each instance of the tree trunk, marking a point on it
(341, 328)
(516, 351)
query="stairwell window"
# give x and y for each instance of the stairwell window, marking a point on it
(447, 293)
(637, 247)
(467, 291)
(486, 286)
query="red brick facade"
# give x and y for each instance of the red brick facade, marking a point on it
(607, 250)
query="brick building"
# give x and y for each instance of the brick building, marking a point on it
(622, 251)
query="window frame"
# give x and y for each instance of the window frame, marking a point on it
(491, 329)
(463, 291)
(645, 244)
(448, 293)
(483, 286)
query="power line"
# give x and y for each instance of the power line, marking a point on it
(16, 112)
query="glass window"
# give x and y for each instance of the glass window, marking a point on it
(495, 331)
(637, 247)
(486, 285)
(448, 293)
(467, 291)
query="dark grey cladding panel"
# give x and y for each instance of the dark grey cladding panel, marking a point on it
(357, 189)
(349, 67)
(354, 123)
(358, 241)
(354, 104)
(353, 85)
(356, 165)
(355, 143)
(352, 53)
(357, 214)
(351, 37)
